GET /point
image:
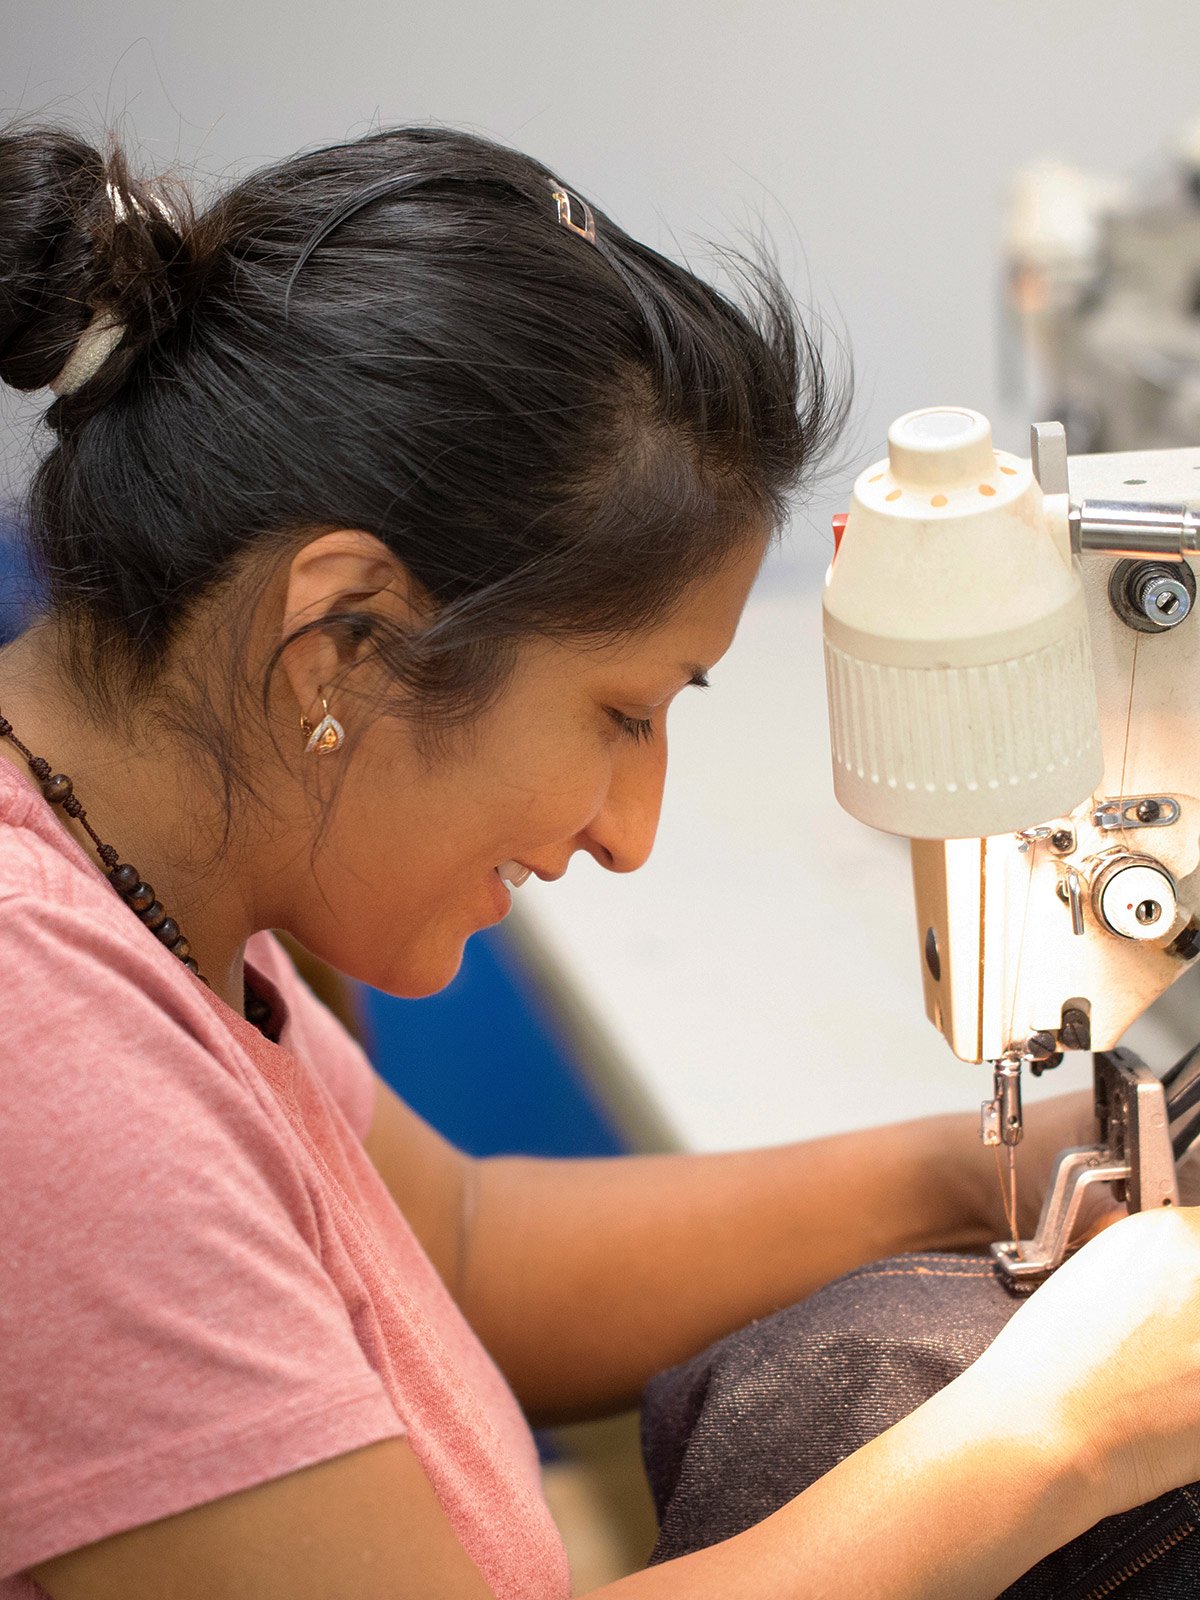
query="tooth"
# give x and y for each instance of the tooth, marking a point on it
(513, 872)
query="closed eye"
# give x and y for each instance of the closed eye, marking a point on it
(636, 728)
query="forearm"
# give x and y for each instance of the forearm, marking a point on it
(950, 1504)
(586, 1277)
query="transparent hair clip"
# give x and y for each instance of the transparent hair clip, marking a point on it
(573, 212)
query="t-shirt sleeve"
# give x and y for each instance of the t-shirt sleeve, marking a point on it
(167, 1332)
(317, 1036)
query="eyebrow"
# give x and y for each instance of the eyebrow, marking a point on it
(696, 676)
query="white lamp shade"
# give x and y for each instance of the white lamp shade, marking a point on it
(961, 696)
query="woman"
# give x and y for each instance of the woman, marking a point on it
(393, 500)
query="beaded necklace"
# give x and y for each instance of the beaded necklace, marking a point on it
(125, 878)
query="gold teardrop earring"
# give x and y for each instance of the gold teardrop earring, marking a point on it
(326, 737)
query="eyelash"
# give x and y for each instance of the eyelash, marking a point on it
(633, 727)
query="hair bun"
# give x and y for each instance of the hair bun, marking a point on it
(79, 236)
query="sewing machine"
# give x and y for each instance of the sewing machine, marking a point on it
(1013, 668)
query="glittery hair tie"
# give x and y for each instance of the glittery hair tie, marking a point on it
(105, 331)
(91, 350)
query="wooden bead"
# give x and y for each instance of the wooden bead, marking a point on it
(191, 964)
(168, 931)
(154, 916)
(141, 897)
(58, 788)
(181, 948)
(257, 1009)
(124, 879)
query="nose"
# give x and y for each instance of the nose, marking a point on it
(621, 834)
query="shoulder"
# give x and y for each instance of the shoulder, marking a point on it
(169, 1329)
(112, 1049)
(79, 971)
(52, 891)
(79, 966)
(36, 856)
(116, 1066)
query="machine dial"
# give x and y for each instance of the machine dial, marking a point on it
(1134, 898)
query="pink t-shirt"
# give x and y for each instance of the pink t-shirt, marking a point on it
(204, 1283)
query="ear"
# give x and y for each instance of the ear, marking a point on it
(346, 570)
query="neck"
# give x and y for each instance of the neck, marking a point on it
(143, 796)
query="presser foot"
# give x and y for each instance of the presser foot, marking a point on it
(1135, 1155)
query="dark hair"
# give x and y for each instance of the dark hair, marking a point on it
(395, 334)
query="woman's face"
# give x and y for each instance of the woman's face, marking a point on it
(571, 757)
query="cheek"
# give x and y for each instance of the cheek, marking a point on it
(548, 805)
(406, 874)
(389, 853)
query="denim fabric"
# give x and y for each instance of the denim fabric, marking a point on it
(732, 1435)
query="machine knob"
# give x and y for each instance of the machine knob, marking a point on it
(1134, 898)
(1152, 596)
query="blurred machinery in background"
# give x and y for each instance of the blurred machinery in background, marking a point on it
(1103, 291)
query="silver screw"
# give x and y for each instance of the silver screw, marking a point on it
(1165, 601)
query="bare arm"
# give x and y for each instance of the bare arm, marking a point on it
(367, 1526)
(1018, 1455)
(584, 1278)
(427, 1177)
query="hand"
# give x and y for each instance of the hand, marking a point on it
(1104, 1359)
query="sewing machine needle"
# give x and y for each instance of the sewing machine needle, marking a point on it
(1012, 1190)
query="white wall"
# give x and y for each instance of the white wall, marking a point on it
(874, 137)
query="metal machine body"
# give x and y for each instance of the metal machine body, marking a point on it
(1029, 936)
(1134, 1153)
(1060, 932)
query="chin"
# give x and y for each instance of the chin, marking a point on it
(419, 978)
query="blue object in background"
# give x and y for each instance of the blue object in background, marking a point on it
(482, 1062)
(18, 593)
